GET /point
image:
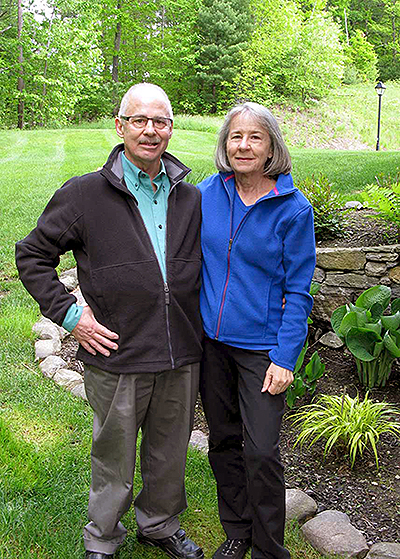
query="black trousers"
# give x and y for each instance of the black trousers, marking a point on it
(244, 454)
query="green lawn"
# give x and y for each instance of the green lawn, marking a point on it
(45, 431)
(35, 163)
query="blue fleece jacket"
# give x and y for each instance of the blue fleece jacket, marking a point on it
(247, 272)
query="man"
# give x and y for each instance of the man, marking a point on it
(134, 229)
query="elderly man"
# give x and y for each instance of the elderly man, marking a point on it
(133, 227)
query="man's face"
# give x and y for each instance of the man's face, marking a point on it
(144, 147)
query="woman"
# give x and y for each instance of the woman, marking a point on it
(258, 247)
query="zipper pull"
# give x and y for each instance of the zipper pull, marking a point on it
(166, 291)
(230, 244)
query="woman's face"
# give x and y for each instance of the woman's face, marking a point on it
(248, 146)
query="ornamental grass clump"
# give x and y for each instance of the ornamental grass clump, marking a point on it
(346, 423)
(372, 337)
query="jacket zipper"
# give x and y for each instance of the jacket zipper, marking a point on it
(167, 303)
(228, 271)
(166, 289)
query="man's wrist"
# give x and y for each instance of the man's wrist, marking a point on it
(72, 317)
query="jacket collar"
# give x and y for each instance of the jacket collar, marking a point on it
(284, 185)
(114, 172)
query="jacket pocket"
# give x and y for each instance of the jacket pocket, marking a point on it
(245, 310)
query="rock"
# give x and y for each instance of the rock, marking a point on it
(51, 364)
(319, 275)
(46, 329)
(394, 274)
(199, 440)
(382, 256)
(69, 279)
(299, 505)
(358, 281)
(341, 258)
(330, 339)
(384, 248)
(384, 550)
(67, 378)
(78, 294)
(354, 204)
(44, 348)
(79, 390)
(330, 532)
(375, 268)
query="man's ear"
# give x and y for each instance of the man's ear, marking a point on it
(119, 127)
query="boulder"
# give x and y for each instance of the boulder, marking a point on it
(79, 390)
(69, 279)
(330, 339)
(51, 364)
(46, 329)
(330, 532)
(67, 378)
(44, 348)
(354, 204)
(299, 505)
(384, 550)
(199, 440)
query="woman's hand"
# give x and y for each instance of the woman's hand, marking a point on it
(277, 379)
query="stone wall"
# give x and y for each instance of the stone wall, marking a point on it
(344, 273)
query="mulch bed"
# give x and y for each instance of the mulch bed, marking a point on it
(371, 498)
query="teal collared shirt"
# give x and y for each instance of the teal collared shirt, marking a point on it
(153, 207)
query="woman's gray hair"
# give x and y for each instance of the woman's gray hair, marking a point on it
(280, 161)
(139, 90)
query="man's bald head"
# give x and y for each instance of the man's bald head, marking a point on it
(145, 92)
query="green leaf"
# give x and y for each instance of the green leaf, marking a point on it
(392, 322)
(391, 345)
(378, 348)
(337, 317)
(315, 287)
(361, 343)
(300, 359)
(314, 368)
(395, 306)
(374, 326)
(350, 320)
(376, 311)
(377, 294)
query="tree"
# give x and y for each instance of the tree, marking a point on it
(224, 28)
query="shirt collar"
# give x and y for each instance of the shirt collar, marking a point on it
(137, 174)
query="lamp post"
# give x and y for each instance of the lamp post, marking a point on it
(380, 89)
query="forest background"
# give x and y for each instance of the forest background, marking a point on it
(71, 60)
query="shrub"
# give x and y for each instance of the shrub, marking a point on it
(329, 218)
(384, 197)
(344, 422)
(372, 337)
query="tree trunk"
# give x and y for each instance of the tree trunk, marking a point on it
(21, 84)
(115, 63)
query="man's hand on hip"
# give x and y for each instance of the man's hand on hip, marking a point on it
(92, 335)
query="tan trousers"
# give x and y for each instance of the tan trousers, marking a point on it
(162, 406)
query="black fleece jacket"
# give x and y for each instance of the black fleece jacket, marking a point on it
(97, 218)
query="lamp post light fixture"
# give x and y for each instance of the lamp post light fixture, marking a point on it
(380, 89)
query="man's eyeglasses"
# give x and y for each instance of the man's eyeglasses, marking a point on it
(139, 122)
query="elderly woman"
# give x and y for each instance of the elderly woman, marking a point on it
(258, 247)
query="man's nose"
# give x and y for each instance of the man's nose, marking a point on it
(149, 128)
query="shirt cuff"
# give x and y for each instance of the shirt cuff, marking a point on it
(72, 317)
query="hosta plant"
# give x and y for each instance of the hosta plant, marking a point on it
(346, 423)
(372, 337)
